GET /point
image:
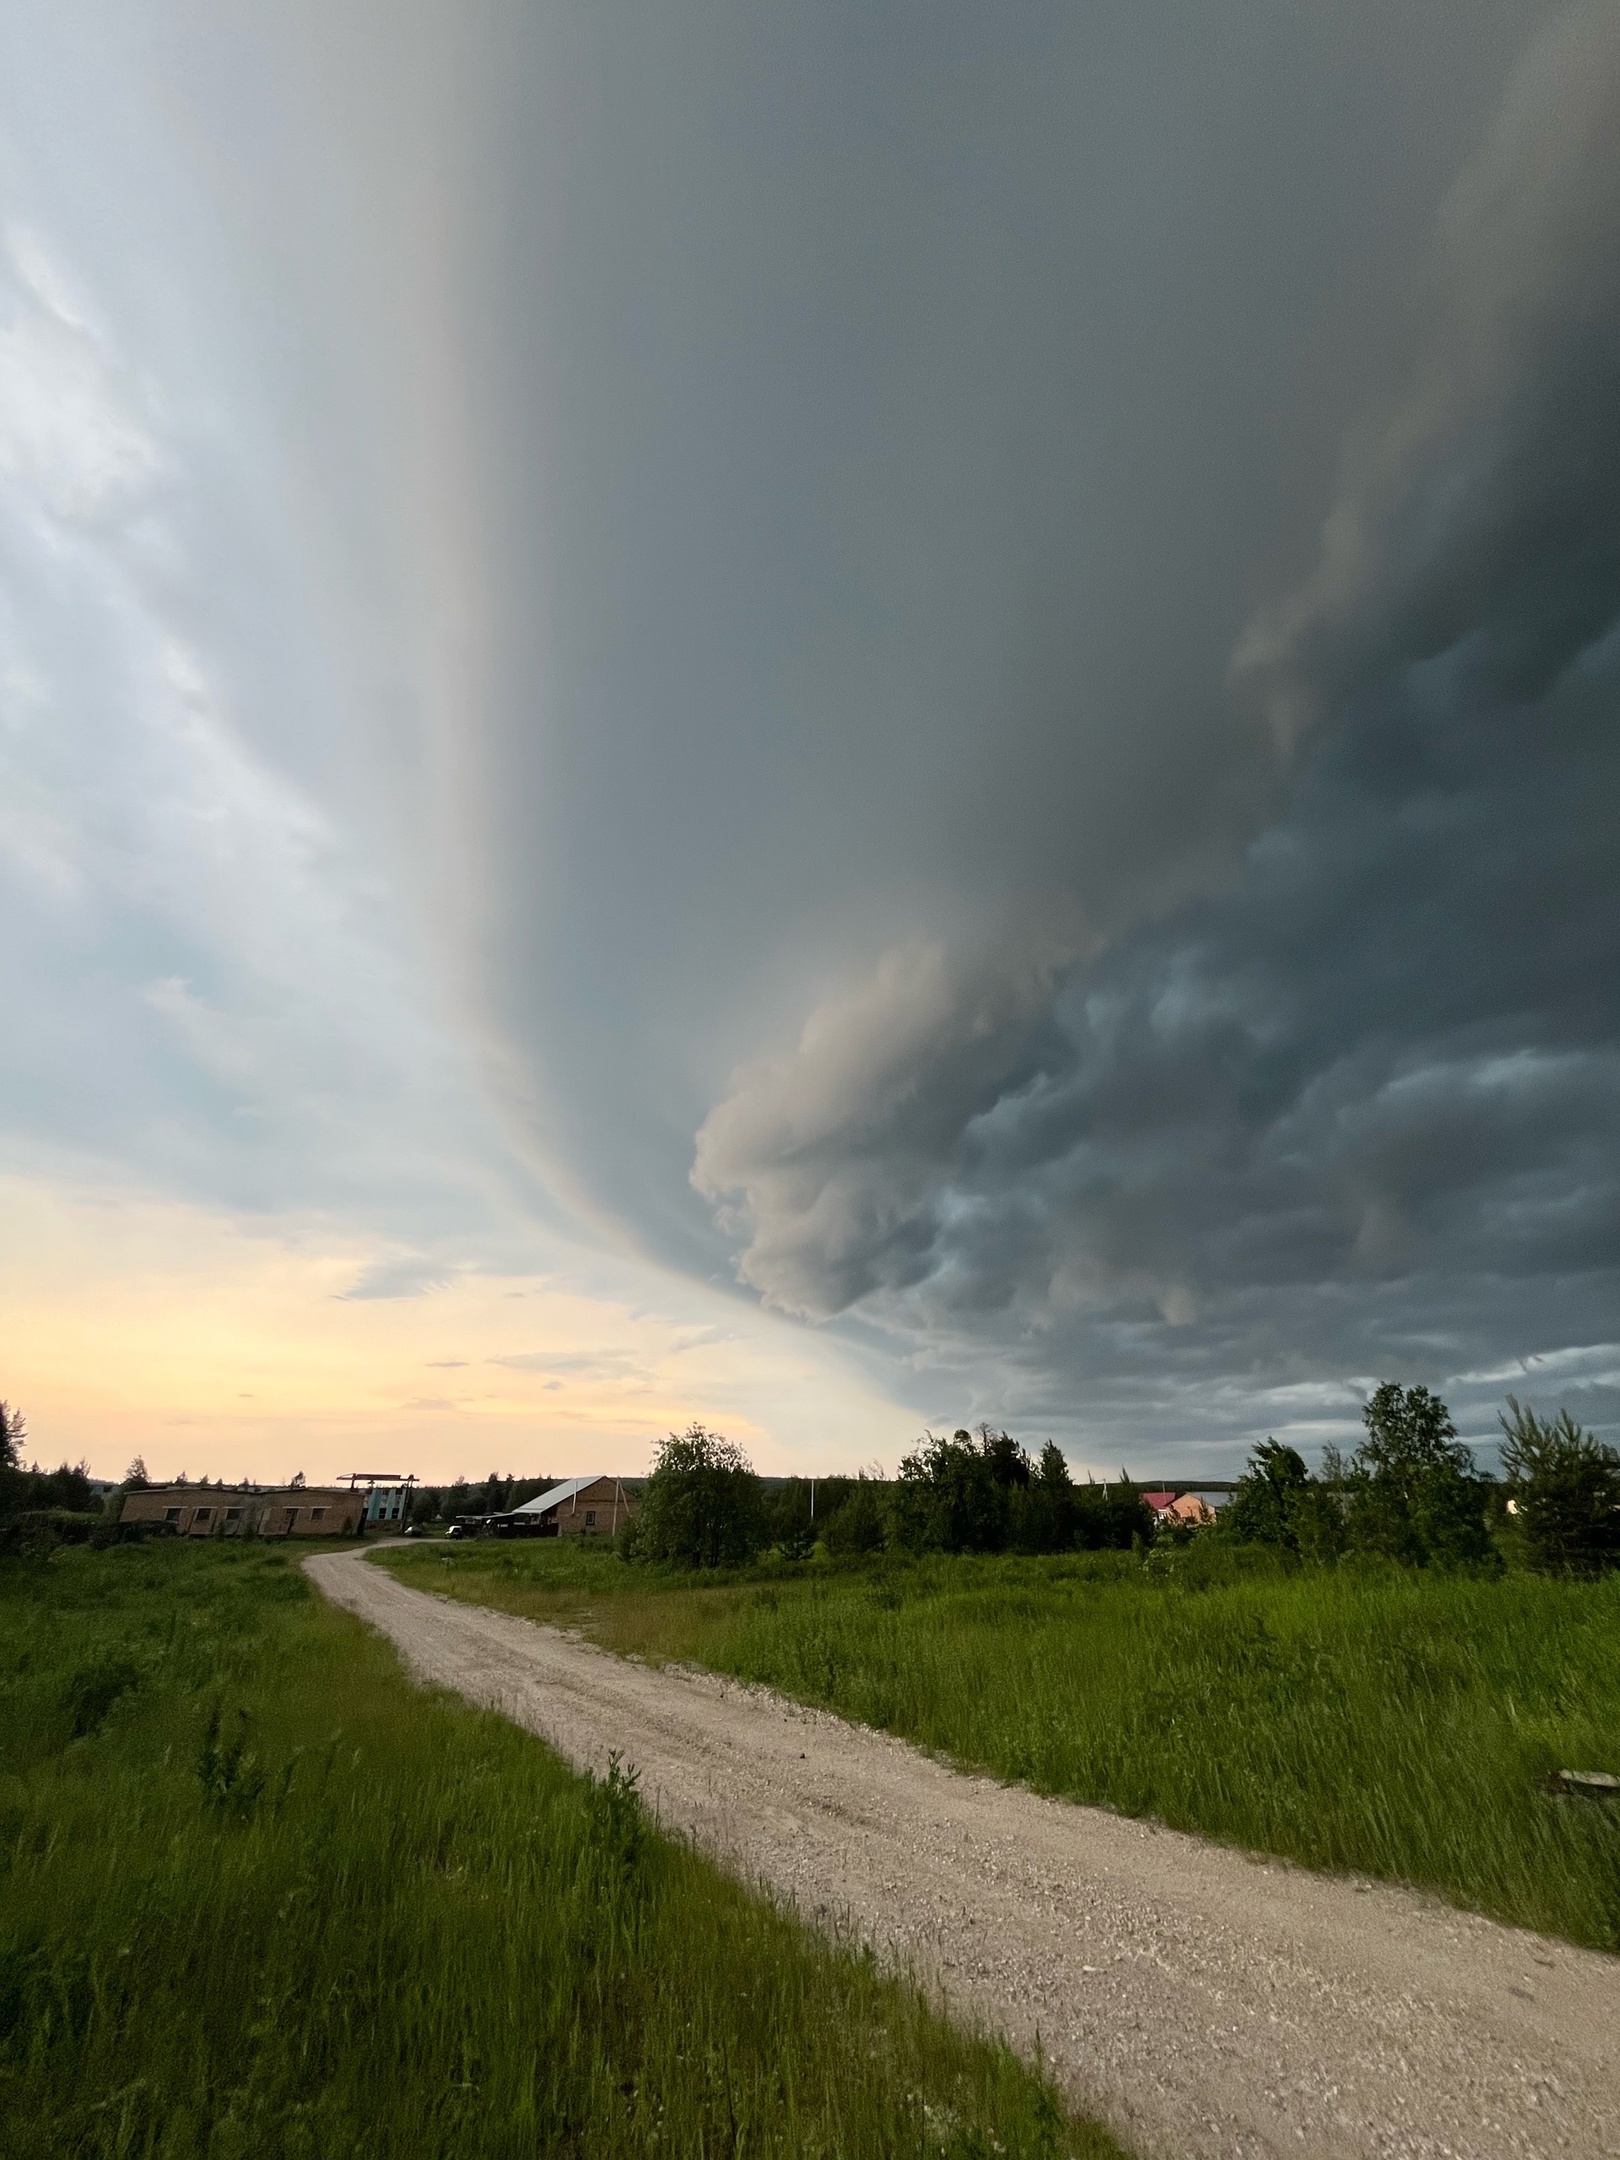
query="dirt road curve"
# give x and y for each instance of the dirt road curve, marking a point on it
(1204, 2003)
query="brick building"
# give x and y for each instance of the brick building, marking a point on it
(581, 1507)
(231, 1511)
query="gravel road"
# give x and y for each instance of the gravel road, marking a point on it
(1204, 2003)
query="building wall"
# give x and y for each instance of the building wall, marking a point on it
(596, 1511)
(387, 1506)
(221, 1511)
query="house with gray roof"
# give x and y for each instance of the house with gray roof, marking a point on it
(596, 1506)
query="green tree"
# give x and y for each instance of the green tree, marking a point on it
(1322, 1510)
(1269, 1501)
(786, 1521)
(1010, 1467)
(1414, 1493)
(952, 1493)
(702, 1506)
(1111, 1517)
(1564, 1489)
(13, 1477)
(1045, 1511)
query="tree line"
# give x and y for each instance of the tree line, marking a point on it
(36, 1501)
(703, 1505)
(1410, 1493)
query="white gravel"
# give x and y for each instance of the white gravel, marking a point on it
(1204, 2003)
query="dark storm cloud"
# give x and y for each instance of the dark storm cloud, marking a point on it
(890, 418)
(1358, 1111)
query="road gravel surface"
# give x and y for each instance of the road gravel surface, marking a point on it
(1209, 2005)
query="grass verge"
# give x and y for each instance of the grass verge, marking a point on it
(1375, 1719)
(258, 1895)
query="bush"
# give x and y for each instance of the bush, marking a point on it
(703, 1504)
(860, 1524)
(1564, 1490)
(1111, 1518)
(40, 1529)
(799, 1511)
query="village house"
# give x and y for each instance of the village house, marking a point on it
(580, 1507)
(1187, 1507)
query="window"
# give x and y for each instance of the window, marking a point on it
(233, 1514)
(590, 1518)
(317, 1514)
(202, 1514)
(171, 1514)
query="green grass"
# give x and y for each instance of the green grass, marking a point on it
(1376, 1720)
(259, 1896)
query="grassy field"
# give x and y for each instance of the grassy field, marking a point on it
(1378, 1720)
(260, 1897)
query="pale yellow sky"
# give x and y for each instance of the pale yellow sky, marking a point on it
(226, 1347)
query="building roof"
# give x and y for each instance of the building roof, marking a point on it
(1158, 1500)
(543, 1503)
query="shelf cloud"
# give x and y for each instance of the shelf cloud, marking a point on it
(928, 695)
(1359, 1103)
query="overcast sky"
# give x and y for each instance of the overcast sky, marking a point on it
(910, 713)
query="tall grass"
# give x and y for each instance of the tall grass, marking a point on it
(1376, 1719)
(258, 1896)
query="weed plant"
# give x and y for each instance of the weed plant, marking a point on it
(259, 1896)
(1368, 1717)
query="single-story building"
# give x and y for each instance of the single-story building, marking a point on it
(581, 1507)
(232, 1511)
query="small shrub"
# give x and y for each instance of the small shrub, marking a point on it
(229, 1774)
(860, 1525)
(618, 1833)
